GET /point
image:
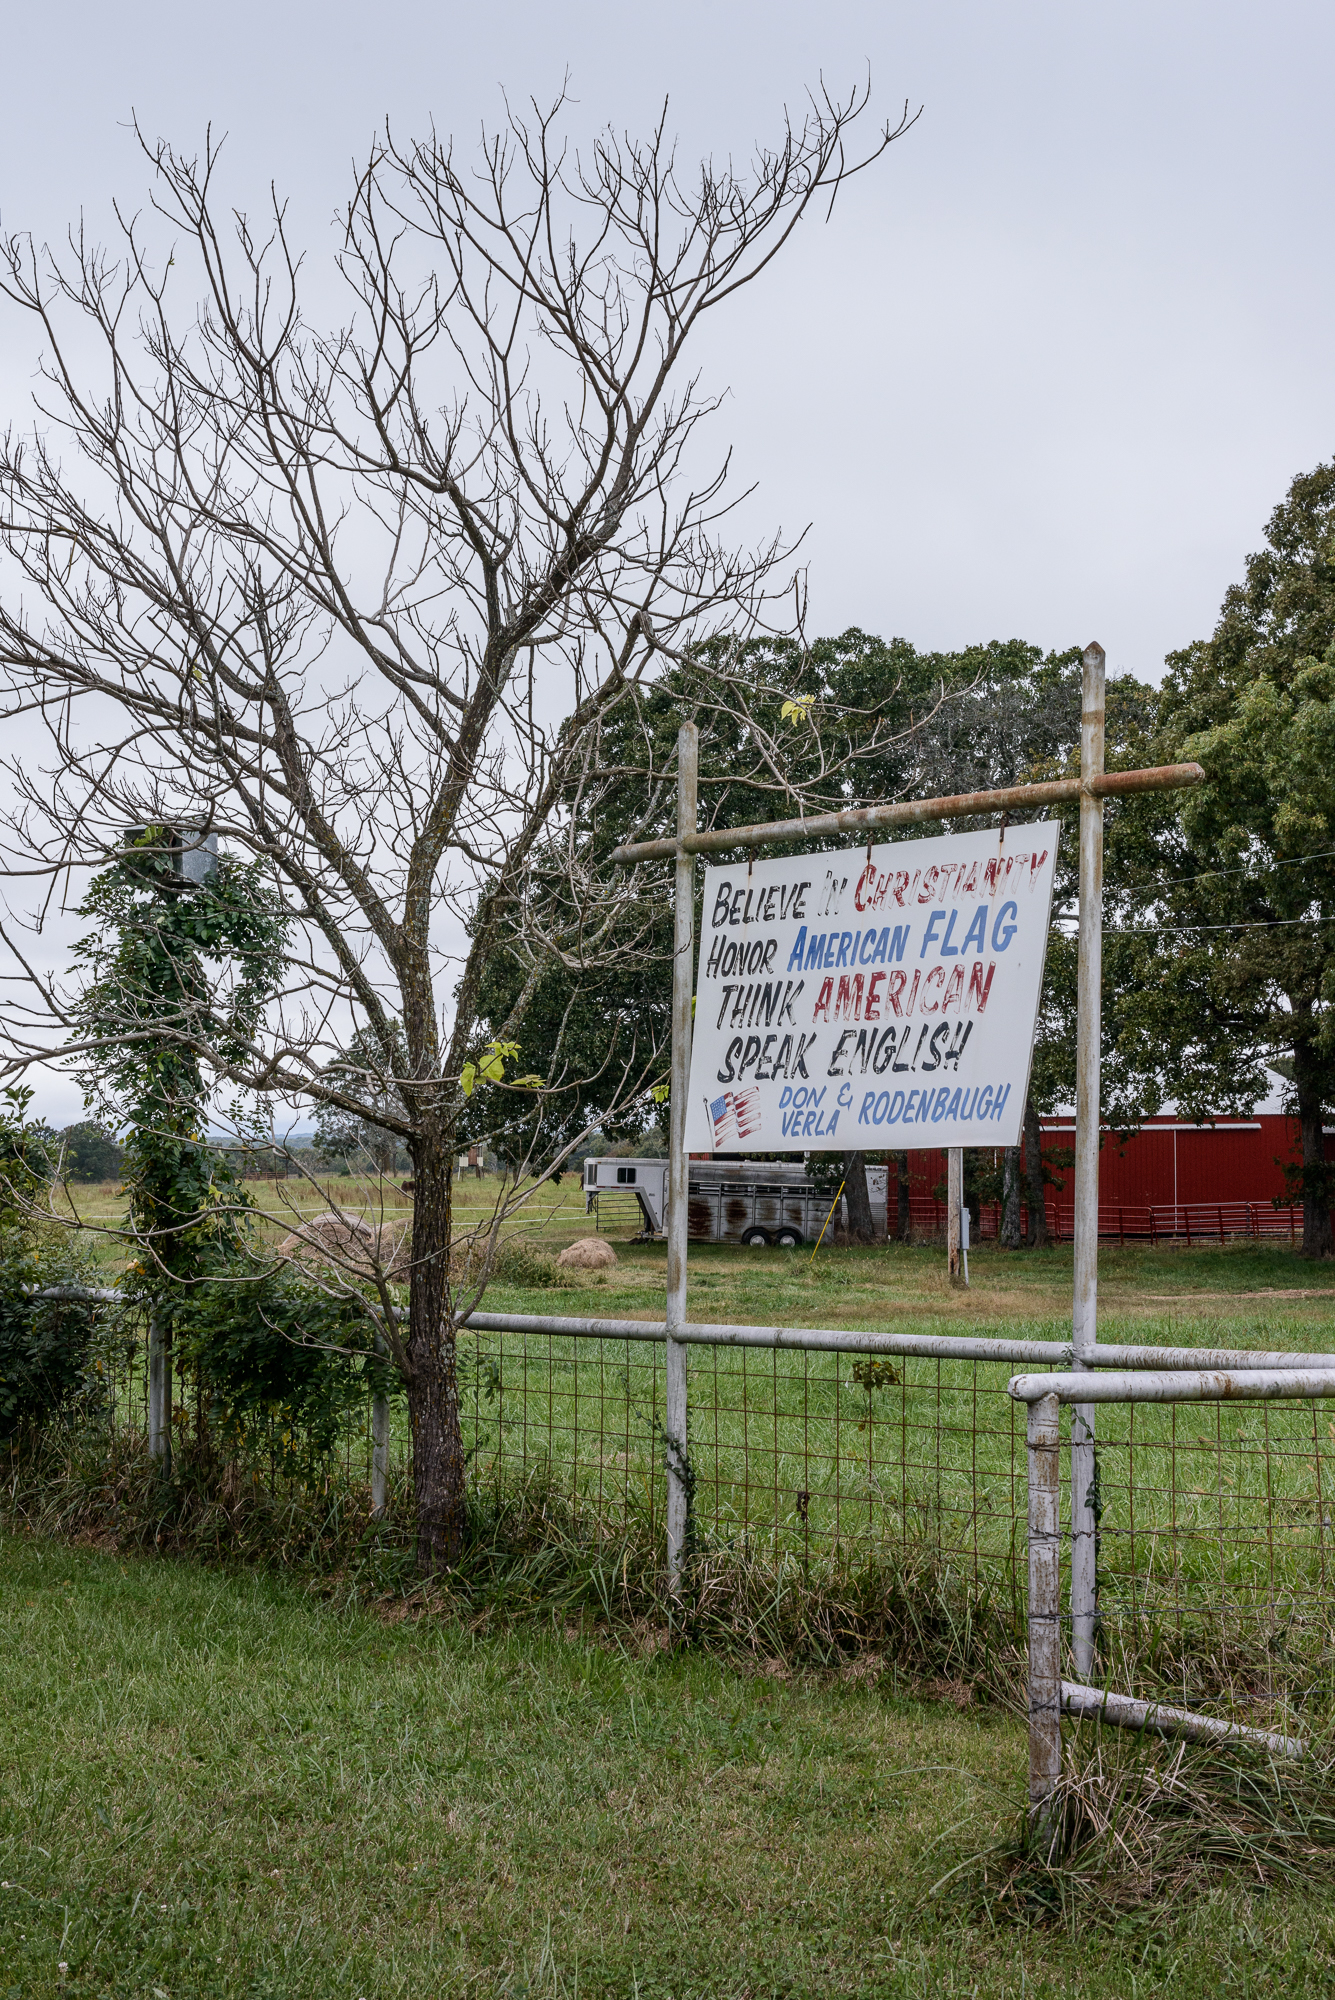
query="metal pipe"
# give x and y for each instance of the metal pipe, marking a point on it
(1184, 1386)
(1085, 1288)
(909, 812)
(1196, 1358)
(1045, 1721)
(833, 1340)
(1125, 1712)
(933, 1347)
(954, 1201)
(843, 1340)
(675, 1407)
(99, 1294)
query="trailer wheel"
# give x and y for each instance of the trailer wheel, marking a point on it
(755, 1239)
(788, 1239)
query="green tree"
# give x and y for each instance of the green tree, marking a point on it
(365, 1075)
(90, 1152)
(1244, 923)
(596, 1006)
(1281, 614)
(1248, 932)
(848, 720)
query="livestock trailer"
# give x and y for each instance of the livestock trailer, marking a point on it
(754, 1202)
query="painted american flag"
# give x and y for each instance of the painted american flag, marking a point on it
(734, 1117)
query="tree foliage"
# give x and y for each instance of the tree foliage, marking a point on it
(1235, 918)
(365, 1076)
(89, 1151)
(50, 1349)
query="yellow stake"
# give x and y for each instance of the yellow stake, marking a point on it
(825, 1225)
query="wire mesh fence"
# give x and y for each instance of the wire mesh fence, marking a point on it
(1214, 1539)
(1216, 1553)
(1215, 1548)
(790, 1450)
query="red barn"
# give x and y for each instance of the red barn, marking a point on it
(1171, 1178)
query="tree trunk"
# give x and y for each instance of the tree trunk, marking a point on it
(1010, 1199)
(905, 1216)
(861, 1225)
(1316, 1175)
(1033, 1166)
(433, 1387)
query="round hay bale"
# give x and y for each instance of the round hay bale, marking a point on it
(349, 1243)
(590, 1253)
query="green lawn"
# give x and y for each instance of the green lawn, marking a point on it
(215, 1786)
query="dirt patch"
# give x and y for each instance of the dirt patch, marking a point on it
(1310, 1292)
(958, 1693)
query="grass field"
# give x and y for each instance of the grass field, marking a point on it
(215, 1786)
(1257, 1293)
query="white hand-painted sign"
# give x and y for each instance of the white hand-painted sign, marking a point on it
(882, 997)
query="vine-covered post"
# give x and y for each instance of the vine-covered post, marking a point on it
(683, 982)
(160, 1388)
(1084, 1321)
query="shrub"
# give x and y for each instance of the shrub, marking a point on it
(519, 1262)
(278, 1348)
(50, 1349)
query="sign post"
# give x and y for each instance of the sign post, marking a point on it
(675, 1410)
(1085, 1290)
(954, 1208)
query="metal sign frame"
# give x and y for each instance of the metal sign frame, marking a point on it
(1091, 788)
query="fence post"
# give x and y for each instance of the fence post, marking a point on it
(954, 1202)
(675, 1411)
(160, 1388)
(1084, 1317)
(1045, 1718)
(379, 1454)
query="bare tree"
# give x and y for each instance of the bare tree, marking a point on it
(360, 601)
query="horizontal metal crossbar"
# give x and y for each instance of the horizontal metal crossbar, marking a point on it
(931, 1347)
(912, 812)
(1125, 1712)
(1210, 1385)
(839, 1340)
(1159, 1366)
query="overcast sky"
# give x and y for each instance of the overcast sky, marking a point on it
(1044, 375)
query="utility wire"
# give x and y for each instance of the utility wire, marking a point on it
(1209, 874)
(1152, 930)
